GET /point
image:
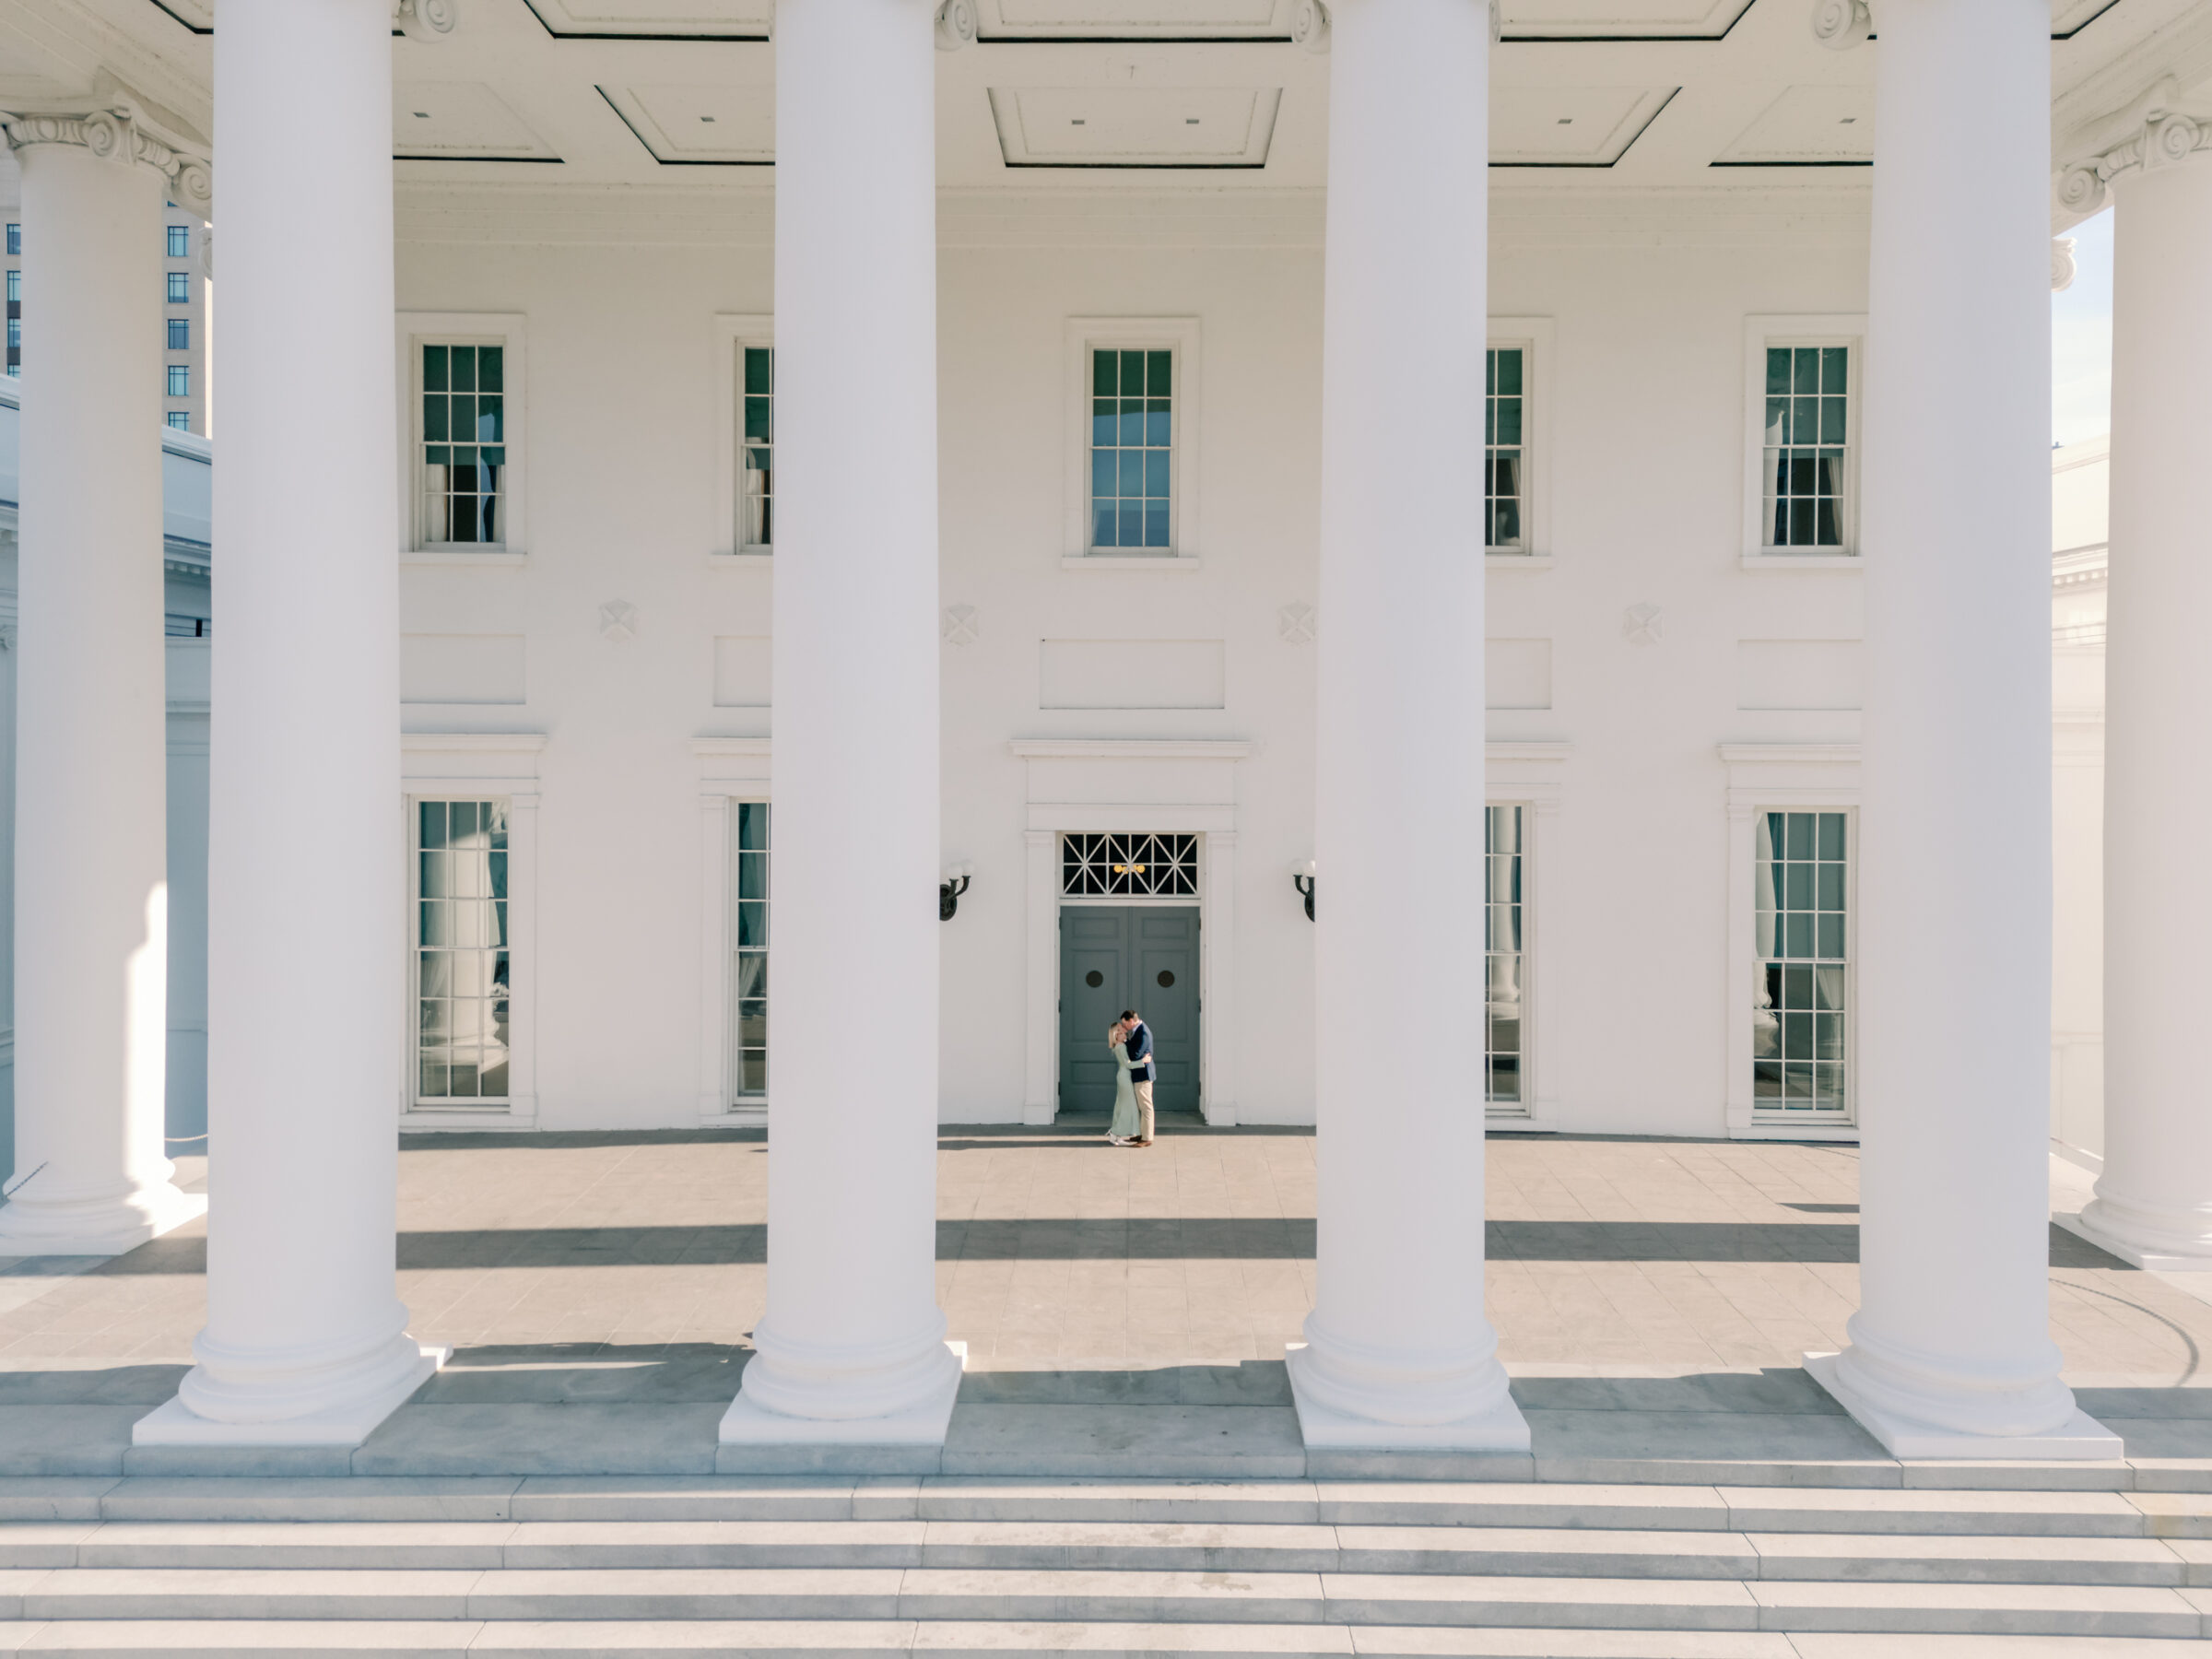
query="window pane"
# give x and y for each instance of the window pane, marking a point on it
(1778, 369)
(491, 369)
(465, 368)
(1156, 374)
(1509, 372)
(1805, 376)
(1102, 428)
(1102, 380)
(1133, 374)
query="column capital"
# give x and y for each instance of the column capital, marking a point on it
(116, 126)
(425, 20)
(956, 25)
(2062, 263)
(2150, 133)
(1841, 24)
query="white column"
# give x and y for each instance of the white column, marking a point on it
(1398, 1349)
(2154, 1199)
(91, 945)
(1950, 1351)
(852, 1347)
(306, 1341)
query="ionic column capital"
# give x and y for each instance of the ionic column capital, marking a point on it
(116, 127)
(2062, 263)
(2150, 133)
(956, 25)
(425, 20)
(1309, 24)
(1841, 24)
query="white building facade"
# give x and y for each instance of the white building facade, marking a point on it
(1432, 553)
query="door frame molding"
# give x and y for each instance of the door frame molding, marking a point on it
(1130, 787)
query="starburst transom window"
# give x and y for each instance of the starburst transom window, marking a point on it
(1129, 867)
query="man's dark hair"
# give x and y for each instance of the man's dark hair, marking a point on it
(1128, 1012)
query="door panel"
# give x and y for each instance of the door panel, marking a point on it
(1146, 957)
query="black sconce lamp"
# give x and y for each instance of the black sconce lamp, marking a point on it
(1301, 878)
(957, 878)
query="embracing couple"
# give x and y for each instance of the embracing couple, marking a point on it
(1131, 1041)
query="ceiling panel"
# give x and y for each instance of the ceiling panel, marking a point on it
(460, 120)
(1620, 19)
(657, 19)
(701, 125)
(1569, 126)
(1134, 127)
(1807, 126)
(1132, 20)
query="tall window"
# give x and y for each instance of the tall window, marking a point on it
(179, 333)
(15, 286)
(180, 380)
(179, 288)
(1503, 958)
(756, 472)
(180, 241)
(463, 443)
(15, 240)
(461, 975)
(181, 419)
(1800, 897)
(1807, 445)
(750, 946)
(1504, 503)
(1132, 450)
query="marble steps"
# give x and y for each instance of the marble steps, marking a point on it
(862, 1547)
(461, 1639)
(1945, 1510)
(654, 1596)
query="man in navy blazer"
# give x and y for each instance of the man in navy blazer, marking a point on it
(1136, 1038)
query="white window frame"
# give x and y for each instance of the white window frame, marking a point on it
(473, 766)
(1784, 777)
(730, 770)
(1535, 337)
(1828, 328)
(1180, 336)
(504, 329)
(732, 332)
(1528, 775)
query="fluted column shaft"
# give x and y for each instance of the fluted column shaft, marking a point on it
(1400, 1350)
(1954, 964)
(306, 1338)
(2155, 1195)
(851, 1343)
(91, 860)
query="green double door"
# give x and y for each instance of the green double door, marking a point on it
(1128, 956)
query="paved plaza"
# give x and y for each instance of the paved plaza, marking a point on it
(1057, 1252)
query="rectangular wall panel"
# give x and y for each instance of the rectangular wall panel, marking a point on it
(741, 671)
(462, 668)
(1132, 673)
(1798, 674)
(1516, 674)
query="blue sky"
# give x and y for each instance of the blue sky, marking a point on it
(2081, 338)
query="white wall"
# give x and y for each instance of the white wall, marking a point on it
(1649, 446)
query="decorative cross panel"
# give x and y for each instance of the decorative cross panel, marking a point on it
(1129, 867)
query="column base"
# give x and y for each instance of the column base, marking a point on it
(345, 1424)
(1499, 1429)
(2150, 1259)
(2081, 1437)
(30, 1229)
(753, 1440)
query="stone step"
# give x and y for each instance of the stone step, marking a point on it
(1002, 1598)
(1858, 1510)
(1100, 1546)
(162, 1639)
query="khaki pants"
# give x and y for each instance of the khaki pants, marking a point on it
(1144, 1109)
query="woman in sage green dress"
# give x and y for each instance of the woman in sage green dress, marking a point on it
(1122, 1130)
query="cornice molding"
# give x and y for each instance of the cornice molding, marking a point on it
(118, 128)
(2150, 134)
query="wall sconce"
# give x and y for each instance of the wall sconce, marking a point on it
(1301, 878)
(957, 878)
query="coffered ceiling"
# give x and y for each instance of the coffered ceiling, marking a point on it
(1617, 93)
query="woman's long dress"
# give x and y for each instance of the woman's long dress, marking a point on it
(1124, 1126)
